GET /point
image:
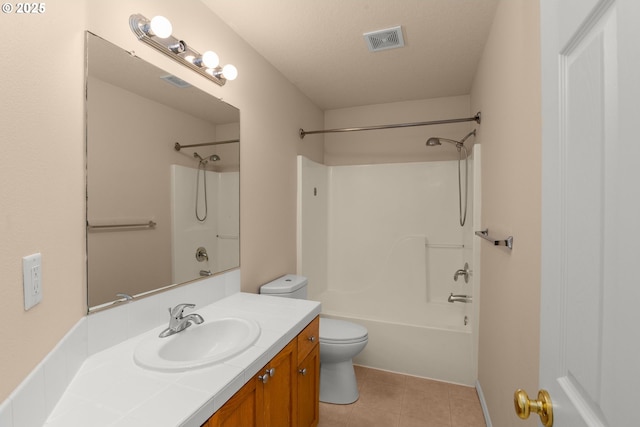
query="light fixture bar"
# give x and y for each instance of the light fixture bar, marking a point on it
(176, 49)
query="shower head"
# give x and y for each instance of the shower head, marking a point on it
(214, 158)
(435, 141)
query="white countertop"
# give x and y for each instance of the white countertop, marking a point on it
(111, 390)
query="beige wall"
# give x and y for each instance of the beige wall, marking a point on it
(42, 164)
(41, 182)
(507, 90)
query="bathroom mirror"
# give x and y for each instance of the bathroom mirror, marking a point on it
(156, 216)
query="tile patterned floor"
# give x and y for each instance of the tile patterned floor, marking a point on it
(395, 400)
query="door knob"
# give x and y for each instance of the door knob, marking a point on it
(543, 406)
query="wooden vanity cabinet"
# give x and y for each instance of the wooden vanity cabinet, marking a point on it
(309, 375)
(239, 411)
(285, 393)
(309, 389)
(278, 393)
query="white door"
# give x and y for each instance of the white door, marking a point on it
(590, 315)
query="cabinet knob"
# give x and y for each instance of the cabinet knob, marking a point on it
(303, 371)
(312, 338)
(267, 373)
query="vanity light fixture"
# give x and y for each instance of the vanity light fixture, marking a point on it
(157, 34)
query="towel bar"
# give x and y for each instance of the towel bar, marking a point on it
(508, 242)
(150, 224)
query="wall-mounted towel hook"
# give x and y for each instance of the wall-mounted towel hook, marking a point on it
(508, 242)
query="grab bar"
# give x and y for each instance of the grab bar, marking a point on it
(228, 236)
(177, 146)
(149, 224)
(444, 245)
(508, 242)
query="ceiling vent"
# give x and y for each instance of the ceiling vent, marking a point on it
(390, 38)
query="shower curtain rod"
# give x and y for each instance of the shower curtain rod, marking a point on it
(177, 146)
(475, 118)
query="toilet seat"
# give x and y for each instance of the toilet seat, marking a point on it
(333, 331)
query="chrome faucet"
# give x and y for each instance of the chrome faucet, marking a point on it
(178, 322)
(459, 298)
(463, 272)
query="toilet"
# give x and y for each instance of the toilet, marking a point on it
(340, 342)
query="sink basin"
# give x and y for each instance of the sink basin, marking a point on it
(198, 346)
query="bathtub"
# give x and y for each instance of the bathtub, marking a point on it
(440, 347)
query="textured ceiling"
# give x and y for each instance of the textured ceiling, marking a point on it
(318, 45)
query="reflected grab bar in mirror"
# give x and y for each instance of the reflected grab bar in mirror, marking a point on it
(149, 224)
(177, 146)
(508, 242)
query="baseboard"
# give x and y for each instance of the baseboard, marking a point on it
(483, 404)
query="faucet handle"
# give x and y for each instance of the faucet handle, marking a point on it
(178, 309)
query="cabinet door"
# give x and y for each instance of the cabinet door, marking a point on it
(309, 389)
(239, 411)
(308, 339)
(279, 392)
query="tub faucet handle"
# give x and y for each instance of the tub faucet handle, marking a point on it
(462, 272)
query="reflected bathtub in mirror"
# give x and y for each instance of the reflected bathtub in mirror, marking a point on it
(146, 200)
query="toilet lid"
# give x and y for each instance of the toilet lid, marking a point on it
(341, 331)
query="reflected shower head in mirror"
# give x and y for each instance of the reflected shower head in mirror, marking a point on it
(432, 142)
(212, 158)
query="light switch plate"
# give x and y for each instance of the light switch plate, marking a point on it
(32, 280)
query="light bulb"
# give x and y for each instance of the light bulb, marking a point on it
(161, 27)
(210, 59)
(229, 72)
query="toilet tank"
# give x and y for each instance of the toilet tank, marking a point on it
(288, 286)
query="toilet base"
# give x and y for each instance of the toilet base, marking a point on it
(338, 383)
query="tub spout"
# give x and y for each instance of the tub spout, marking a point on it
(459, 298)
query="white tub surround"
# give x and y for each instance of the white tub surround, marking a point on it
(380, 244)
(110, 389)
